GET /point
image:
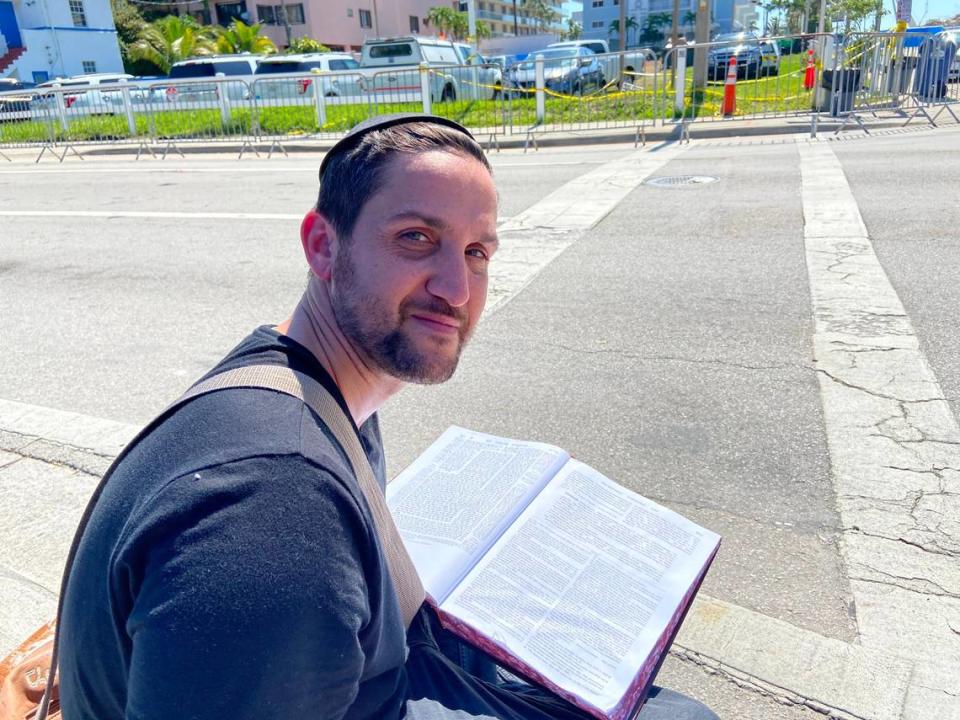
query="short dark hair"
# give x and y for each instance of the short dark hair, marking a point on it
(352, 176)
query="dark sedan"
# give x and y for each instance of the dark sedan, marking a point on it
(567, 71)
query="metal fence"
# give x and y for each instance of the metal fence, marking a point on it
(860, 78)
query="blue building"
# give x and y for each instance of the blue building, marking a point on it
(44, 39)
(728, 16)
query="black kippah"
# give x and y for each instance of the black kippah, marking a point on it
(381, 122)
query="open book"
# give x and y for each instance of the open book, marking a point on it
(563, 576)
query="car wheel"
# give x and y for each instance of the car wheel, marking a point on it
(497, 90)
(448, 94)
(774, 70)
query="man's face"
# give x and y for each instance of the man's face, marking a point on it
(409, 285)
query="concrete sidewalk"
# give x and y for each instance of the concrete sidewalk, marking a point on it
(50, 462)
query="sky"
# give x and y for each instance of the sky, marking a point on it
(923, 10)
(930, 9)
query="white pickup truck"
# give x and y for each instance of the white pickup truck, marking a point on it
(390, 69)
(634, 59)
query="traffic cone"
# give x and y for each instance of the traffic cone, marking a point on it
(730, 89)
(810, 76)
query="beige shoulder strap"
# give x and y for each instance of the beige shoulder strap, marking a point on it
(406, 581)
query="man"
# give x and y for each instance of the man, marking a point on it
(231, 567)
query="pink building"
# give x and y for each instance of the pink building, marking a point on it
(345, 24)
(339, 24)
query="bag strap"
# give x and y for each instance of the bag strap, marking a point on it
(406, 581)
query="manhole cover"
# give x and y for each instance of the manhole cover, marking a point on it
(676, 180)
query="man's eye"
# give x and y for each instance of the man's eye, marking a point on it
(415, 236)
(478, 253)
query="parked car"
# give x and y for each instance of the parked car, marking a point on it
(14, 102)
(566, 70)
(634, 59)
(236, 67)
(754, 57)
(93, 94)
(338, 85)
(391, 68)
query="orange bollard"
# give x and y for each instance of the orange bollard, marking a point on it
(730, 89)
(810, 76)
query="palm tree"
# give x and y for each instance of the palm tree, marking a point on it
(544, 15)
(444, 18)
(168, 40)
(631, 24)
(240, 37)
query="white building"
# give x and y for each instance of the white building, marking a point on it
(46, 39)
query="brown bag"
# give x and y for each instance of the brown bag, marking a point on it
(25, 673)
(23, 677)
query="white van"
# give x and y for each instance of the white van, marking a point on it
(459, 71)
(240, 68)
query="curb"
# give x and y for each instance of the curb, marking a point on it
(705, 130)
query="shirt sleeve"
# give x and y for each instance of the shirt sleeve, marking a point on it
(251, 586)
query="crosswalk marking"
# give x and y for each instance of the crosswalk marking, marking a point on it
(894, 442)
(536, 237)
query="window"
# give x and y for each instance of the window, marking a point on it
(414, 24)
(597, 3)
(295, 14)
(344, 65)
(596, 24)
(391, 51)
(77, 13)
(89, 66)
(228, 11)
(366, 19)
(267, 15)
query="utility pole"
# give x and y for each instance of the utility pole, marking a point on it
(701, 37)
(286, 22)
(472, 23)
(516, 30)
(376, 20)
(623, 25)
(675, 34)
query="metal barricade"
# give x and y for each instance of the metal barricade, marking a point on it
(306, 105)
(740, 79)
(207, 110)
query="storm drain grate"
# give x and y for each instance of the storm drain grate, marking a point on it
(677, 180)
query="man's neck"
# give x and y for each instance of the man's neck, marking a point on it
(313, 325)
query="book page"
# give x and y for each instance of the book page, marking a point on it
(456, 499)
(584, 583)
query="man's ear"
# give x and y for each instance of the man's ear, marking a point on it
(318, 238)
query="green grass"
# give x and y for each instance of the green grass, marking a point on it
(775, 94)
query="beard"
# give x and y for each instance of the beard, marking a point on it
(377, 330)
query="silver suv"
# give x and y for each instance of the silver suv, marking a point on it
(239, 68)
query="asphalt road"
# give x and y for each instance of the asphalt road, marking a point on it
(669, 346)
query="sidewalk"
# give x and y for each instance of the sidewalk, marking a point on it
(50, 462)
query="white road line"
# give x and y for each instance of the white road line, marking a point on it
(302, 167)
(894, 445)
(533, 239)
(151, 214)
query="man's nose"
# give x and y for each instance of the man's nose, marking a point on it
(450, 279)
